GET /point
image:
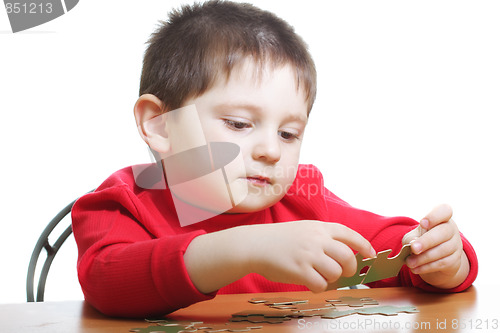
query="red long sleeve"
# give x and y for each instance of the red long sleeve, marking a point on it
(126, 256)
(131, 245)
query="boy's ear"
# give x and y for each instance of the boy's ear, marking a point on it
(151, 122)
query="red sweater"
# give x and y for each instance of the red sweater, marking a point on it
(131, 246)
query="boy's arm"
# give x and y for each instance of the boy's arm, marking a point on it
(129, 263)
(385, 233)
(309, 253)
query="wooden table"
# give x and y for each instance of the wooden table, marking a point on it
(470, 311)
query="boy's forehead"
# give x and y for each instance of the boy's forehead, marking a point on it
(255, 70)
(251, 75)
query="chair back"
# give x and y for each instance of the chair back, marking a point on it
(51, 250)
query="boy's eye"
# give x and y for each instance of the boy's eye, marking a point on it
(288, 136)
(237, 125)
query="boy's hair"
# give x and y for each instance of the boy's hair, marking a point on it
(199, 44)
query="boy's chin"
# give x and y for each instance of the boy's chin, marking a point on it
(253, 205)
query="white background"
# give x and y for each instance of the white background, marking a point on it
(407, 114)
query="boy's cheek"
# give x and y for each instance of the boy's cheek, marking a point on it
(206, 177)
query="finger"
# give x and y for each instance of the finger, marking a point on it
(439, 234)
(438, 215)
(314, 281)
(328, 268)
(450, 263)
(439, 252)
(343, 257)
(352, 239)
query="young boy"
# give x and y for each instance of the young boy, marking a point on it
(229, 86)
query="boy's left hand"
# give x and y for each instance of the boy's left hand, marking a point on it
(438, 255)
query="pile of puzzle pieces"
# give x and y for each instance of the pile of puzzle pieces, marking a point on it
(283, 309)
(279, 310)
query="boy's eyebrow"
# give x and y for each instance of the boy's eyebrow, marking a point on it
(252, 107)
(297, 117)
(244, 105)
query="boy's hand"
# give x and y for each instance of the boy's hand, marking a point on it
(309, 253)
(438, 255)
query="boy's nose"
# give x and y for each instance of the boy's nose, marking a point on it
(267, 149)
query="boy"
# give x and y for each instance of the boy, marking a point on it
(229, 75)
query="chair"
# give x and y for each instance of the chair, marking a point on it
(43, 244)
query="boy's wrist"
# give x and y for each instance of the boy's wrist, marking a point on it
(217, 259)
(245, 249)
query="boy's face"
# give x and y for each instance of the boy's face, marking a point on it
(266, 117)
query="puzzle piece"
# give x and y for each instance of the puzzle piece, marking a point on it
(161, 329)
(387, 310)
(313, 313)
(357, 278)
(353, 301)
(276, 301)
(334, 314)
(280, 313)
(260, 319)
(228, 327)
(170, 322)
(156, 320)
(305, 307)
(379, 268)
(265, 313)
(186, 326)
(385, 267)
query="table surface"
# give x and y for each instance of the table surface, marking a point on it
(469, 311)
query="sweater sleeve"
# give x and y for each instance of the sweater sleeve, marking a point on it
(387, 233)
(128, 266)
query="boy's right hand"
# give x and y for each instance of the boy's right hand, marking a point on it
(309, 253)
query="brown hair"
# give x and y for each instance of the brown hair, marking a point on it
(198, 43)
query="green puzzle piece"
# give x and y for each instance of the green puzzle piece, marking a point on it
(356, 279)
(387, 310)
(380, 267)
(385, 267)
(160, 329)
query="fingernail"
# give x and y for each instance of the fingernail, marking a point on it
(424, 223)
(373, 253)
(416, 247)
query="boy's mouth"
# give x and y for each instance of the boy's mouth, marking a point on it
(258, 180)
